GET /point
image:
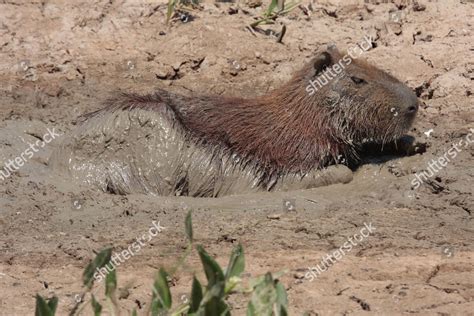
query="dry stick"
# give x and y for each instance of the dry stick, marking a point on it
(269, 20)
(312, 201)
(76, 306)
(282, 33)
(305, 9)
(281, 5)
(82, 302)
(251, 30)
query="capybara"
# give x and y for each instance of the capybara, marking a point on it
(209, 146)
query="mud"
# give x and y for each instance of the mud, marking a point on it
(142, 151)
(59, 60)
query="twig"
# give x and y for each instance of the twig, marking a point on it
(282, 33)
(249, 27)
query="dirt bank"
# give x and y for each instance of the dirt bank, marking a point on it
(60, 59)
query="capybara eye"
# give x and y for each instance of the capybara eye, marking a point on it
(358, 80)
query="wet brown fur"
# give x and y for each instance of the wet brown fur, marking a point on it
(287, 130)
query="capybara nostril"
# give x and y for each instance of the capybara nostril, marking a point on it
(409, 100)
(413, 104)
(412, 109)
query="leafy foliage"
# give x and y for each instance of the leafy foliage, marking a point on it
(100, 261)
(268, 298)
(268, 295)
(276, 9)
(161, 299)
(96, 307)
(46, 308)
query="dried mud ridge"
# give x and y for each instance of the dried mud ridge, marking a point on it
(60, 60)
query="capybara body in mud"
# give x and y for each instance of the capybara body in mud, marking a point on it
(169, 144)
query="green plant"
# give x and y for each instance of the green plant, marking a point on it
(275, 9)
(178, 5)
(267, 295)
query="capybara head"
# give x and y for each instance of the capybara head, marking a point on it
(362, 102)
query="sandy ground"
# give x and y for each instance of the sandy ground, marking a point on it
(60, 59)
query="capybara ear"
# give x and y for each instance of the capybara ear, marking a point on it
(321, 62)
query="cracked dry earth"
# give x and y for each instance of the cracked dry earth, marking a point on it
(60, 59)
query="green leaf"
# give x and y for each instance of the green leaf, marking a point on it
(169, 13)
(251, 310)
(44, 308)
(189, 227)
(212, 269)
(134, 313)
(93, 267)
(236, 263)
(268, 298)
(196, 296)
(162, 289)
(110, 283)
(231, 284)
(282, 299)
(290, 7)
(271, 7)
(96, 306)
(156, 306)
(53, 304)
(216, 306)
(256, 281)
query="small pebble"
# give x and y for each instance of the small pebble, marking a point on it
(233, 10)
(419, 7)
(123, 293)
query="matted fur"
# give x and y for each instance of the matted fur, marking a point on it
(286, 133)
